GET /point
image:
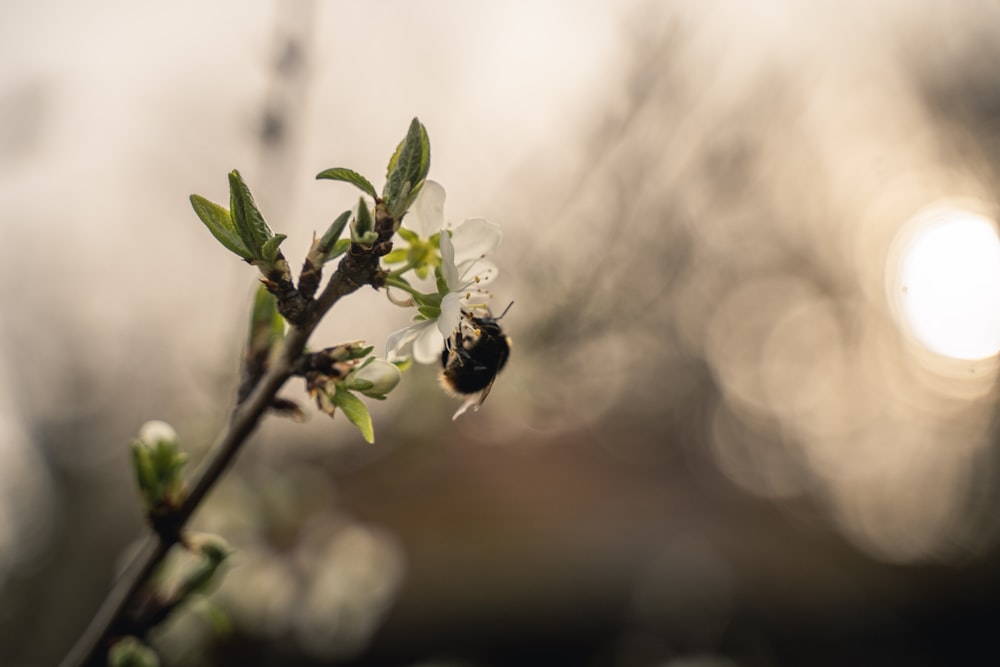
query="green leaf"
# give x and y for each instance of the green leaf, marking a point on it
(267, 326)
(393, 160)
(406, 199)
(442, 284)
(399, 201)
(199, 579)
(363, 229)
(339, 248)
(396, 256)
(217, 617)
(158, 464)
(429, 312)
(428, 300)
(349, 176)
(145, 475)
(357, 413)
(215, 548)
(247, 217)
(408, 235)
(213, 552)
(362, 385)
(364, 223)
(269, 250)
(407, 168)
(366, 240)
(220, 223)
(348, 351)
(167, 458)
(333, 233)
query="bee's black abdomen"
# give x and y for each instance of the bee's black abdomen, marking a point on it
(463, 382)
(472, 363)
(471, 371)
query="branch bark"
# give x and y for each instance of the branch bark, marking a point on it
(358, 267)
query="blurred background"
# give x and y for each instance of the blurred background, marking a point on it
(749, 416)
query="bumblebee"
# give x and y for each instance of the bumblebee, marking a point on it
(472, 358)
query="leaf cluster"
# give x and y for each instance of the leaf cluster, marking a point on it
(241, 229)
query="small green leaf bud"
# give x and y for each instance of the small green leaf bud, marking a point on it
(349, 351)
(131, 652)
(158, 461)
(213, 547)
(213, 551)
(363, 226)
(267, 326)
(269, 251)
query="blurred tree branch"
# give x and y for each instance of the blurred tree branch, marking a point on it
(360, 266)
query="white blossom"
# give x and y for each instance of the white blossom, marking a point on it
(465, 270)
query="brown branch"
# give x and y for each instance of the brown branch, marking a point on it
(358, 267)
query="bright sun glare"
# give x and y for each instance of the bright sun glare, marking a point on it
(949, 284)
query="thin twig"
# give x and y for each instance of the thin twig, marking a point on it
(91, 648)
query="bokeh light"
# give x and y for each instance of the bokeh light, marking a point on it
(946, 282)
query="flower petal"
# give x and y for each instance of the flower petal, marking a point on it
(448, 268)
(426, 214)
(454, 306)
(156, 431)
(475, 238)
(428, 345)
(451, 313)
(399, 344)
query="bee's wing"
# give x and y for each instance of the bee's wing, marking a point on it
(474, 401)
(483, 394)
(486, 390)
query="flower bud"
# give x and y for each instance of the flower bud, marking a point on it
(158, 461)
(155, 431)
(375, 378)
(349, 351)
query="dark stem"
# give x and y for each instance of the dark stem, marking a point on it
(357, 268)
